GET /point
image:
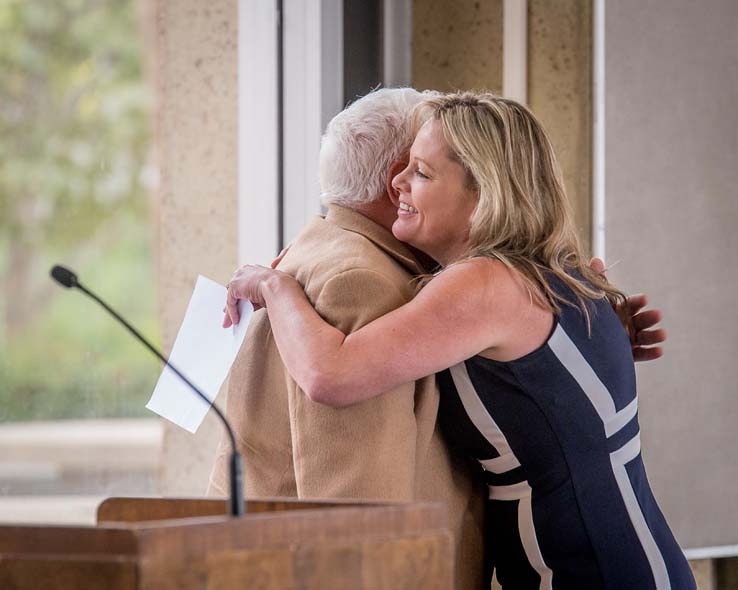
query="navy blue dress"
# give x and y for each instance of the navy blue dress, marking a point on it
(557, 435)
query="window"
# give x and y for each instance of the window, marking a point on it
(75, 187)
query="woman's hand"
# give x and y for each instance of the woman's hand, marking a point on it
(246, 283)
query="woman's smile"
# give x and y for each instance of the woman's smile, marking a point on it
(435, 201)
(406, 209)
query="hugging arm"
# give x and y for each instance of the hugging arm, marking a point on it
(446, 323)
(451, 319)
(645, 337)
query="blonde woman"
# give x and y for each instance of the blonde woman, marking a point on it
(535, 368)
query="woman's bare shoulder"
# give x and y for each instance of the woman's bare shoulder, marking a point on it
(479, 288)
(482, 275)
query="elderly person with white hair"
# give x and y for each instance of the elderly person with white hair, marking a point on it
(353, 271)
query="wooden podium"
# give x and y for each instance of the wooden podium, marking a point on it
(188, 544)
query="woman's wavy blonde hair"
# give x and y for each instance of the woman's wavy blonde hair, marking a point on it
(523, 217)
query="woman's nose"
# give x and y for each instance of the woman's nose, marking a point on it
(398, 182)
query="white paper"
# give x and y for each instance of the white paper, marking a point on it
(203, 352)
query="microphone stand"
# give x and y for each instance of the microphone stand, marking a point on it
(68, 279)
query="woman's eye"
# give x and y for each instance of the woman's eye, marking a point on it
(419, 173)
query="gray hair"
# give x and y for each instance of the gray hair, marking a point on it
(362, 142)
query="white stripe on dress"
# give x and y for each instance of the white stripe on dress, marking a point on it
(478, 414)
(514, 491)
(530, 542)
(501, 464)
(521, 491)
(619, 458)
(571, 358)
(619, 420)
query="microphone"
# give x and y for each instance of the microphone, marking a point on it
(66, 278)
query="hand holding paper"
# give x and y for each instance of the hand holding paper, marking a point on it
(204, 352)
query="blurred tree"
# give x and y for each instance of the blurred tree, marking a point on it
(73, 133)
(74, 146)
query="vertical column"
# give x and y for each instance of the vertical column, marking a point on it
(598, 129)
(257, 131)
(515, 50)
(397, 16)
(196, 69)
(560, 93)
(313, 86)
(457, 45)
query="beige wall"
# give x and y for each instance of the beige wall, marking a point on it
(196, 71)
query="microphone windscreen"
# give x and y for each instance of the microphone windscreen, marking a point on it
(64, 276)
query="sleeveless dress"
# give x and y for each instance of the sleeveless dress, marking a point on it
(557, 435)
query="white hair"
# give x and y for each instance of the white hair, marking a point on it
(362, 142)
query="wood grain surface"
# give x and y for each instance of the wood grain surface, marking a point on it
(280, 544)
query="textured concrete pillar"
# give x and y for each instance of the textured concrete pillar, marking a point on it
(560, 92)
(196, 69)
(457, 45)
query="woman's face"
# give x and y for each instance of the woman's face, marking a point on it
(436, 203)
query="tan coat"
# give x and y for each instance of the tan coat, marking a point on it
(387, 448)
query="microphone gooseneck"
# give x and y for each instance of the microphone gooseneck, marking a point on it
(68, 279)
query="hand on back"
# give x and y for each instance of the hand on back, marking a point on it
(645, 338)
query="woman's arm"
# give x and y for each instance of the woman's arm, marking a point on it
(450, 320)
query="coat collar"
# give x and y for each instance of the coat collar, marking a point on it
(353, 221)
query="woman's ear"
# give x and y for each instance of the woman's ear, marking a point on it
(393, 171)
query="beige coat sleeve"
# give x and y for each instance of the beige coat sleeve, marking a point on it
(367, 450)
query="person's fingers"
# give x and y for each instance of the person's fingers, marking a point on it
(279, 257)
(637, 303)
(647, 353)
(646, 319)
(597, 265)
(227, 323)
(232, 306)
(650, 337)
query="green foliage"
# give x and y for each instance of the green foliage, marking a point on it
(74, 143)
(74, 122)
(73, 361)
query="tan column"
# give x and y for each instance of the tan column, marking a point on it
(560, 93)
(196, 69)
(457, 45)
